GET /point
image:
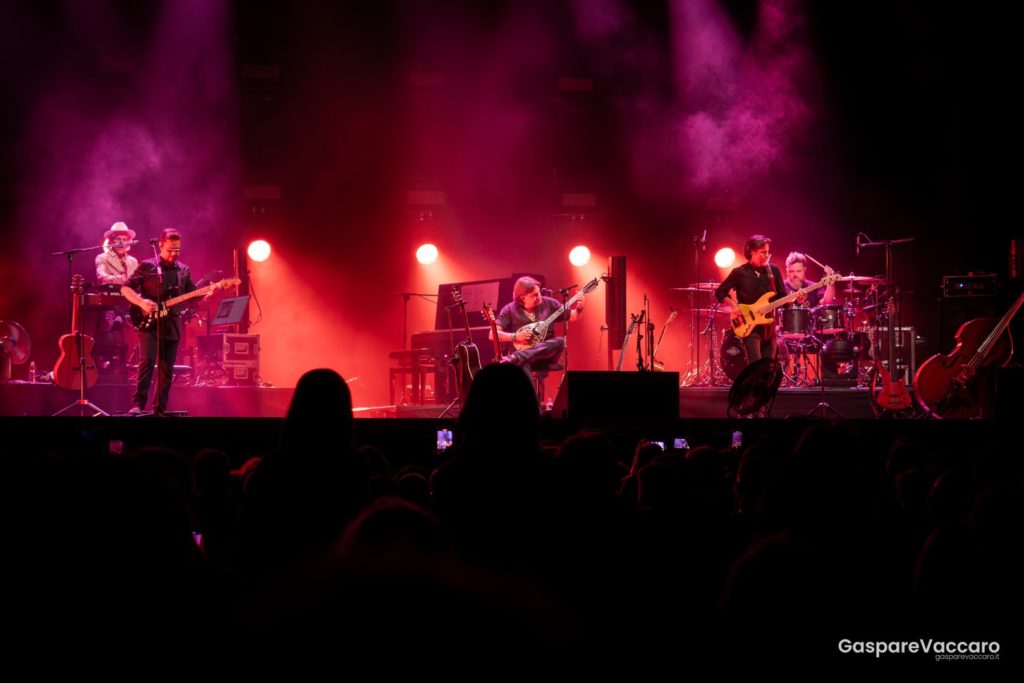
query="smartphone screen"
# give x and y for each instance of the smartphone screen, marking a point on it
(680, 444)
(444, 439)
(737, 439)
(659, 444)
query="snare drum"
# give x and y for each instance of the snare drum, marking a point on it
(796, 323)
(829, 320)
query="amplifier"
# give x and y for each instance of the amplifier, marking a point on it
(983, 284)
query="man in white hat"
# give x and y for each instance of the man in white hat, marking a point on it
(114, 265)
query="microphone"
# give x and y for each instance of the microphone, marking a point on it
(544, 291)
(154, 241)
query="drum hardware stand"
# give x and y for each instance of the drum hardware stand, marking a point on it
(709, 374)
(823, 409)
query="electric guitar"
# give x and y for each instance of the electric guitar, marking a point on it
(892, 395)
(539, 330)
(657, 365)
(489, 317)
(144, 321)
(750, 316)
(75, 348)
(467, 353)
(634, 320)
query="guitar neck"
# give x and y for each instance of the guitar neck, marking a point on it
(791, 297)
(561, 309)
(997, 332)
(191, 295)
(625, 340)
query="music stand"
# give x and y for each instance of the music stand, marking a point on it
(230, 311)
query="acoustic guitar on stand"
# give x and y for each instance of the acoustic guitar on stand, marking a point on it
(467, 353)
(75, 361)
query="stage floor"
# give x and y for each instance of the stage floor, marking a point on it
(23, 399)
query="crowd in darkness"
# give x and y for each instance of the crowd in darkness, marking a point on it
(514, 548)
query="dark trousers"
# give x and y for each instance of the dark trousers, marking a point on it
(760, 343)
(544, 353)
(147, 359)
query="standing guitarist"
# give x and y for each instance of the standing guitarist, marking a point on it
(159, 279)
(529, 306)
(748, 283)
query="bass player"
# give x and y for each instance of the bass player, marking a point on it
(746, 284)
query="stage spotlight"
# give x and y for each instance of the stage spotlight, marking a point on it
(725, 257)
(259, 250)
(426, 254)
(579, 256)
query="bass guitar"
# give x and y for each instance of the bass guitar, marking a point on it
(466, 352)
(144, 321)
(75, 361)
(634, 320)
(539, 330)
(489, 317)
(892, 395)
(947, 386)
(750, 316)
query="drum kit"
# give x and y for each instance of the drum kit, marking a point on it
(831, 342)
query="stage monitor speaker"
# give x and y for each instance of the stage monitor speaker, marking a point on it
(586, 394)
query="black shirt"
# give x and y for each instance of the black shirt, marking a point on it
(751, 283)
(177, 280)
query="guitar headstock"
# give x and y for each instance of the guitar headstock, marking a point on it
(228, 282)
(673, 314)
(829, 279)
(488, 313)
(457, 297)
(77, 284)
(591, 286)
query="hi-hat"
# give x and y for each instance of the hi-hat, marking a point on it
(719, 311)
(704, 285)
(688, 289)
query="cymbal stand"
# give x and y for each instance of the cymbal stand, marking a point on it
(823, 409)
(710, 373)
(691, 372)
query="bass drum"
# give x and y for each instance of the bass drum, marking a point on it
(734, 355)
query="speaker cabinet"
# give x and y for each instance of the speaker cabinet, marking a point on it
(955, 311)
(618, 394)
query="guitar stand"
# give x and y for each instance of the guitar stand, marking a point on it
(458, 399)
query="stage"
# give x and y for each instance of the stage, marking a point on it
(41, 399)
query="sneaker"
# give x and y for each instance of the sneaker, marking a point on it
(135, 410)
(513, 359)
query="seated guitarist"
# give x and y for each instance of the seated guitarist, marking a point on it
(748, 283)
(143, 289)
(529, 306)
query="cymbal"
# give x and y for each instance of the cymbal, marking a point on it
(858, 280)
(704, 285)
(717, 311)
(688, 289)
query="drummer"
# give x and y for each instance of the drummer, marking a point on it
(796, 279)
(114, 266)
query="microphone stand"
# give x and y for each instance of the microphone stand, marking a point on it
(405, 313)
(82, 404)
